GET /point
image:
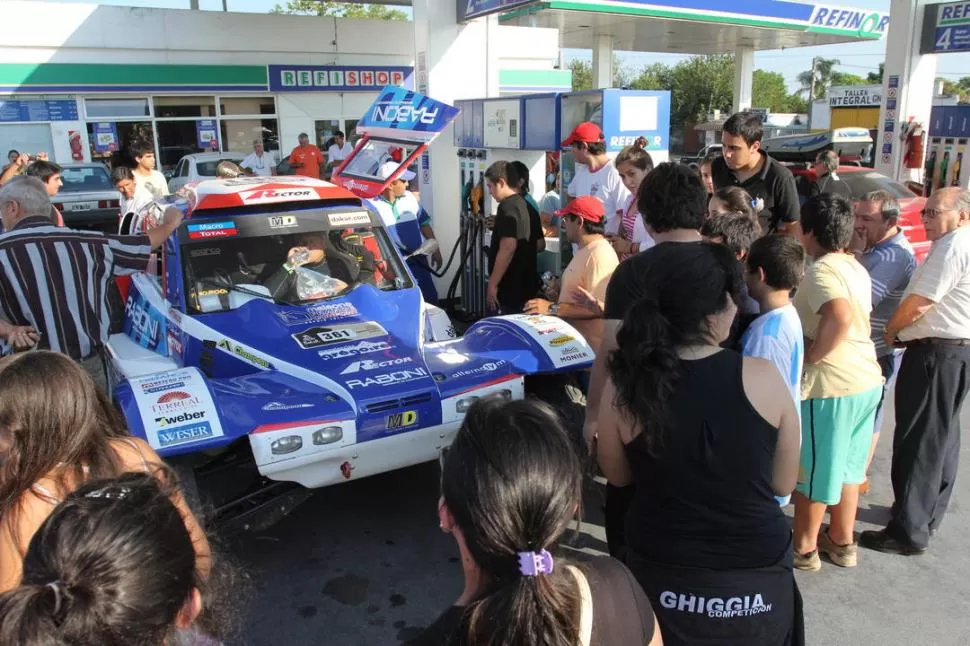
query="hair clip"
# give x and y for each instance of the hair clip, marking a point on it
(109, 493)
(534, 564)
(55, 587)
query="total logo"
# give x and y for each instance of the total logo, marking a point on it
(368, 364)
(397, 377)
(165, 420)
(275, 195)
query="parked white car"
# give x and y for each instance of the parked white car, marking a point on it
(198, 166)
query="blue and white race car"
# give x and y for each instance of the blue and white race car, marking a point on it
(285, 341)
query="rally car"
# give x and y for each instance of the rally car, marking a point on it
(260, 375)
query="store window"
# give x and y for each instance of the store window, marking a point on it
(325, 130)
(247, 106)
(121, 108)
(30, 138)
(167, 107)
(111, 140)
(238, 135)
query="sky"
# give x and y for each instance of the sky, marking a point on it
(855, 58)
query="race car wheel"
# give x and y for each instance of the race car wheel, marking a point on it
(562, 392)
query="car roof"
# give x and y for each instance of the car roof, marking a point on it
(84, 165)
(215, 194)
(213, 156)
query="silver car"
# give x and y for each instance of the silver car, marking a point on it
(87, 200)
(198, 166)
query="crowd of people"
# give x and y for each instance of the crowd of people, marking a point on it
(745, 343)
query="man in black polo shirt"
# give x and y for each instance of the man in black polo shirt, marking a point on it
(512, 267)
(826, 169)
(672, 200)
(769, 183)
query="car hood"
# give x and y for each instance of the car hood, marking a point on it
(368, 341)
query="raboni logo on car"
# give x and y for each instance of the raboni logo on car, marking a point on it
(399, 376)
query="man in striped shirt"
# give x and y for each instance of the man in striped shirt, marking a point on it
(54, 281)
(882, 248)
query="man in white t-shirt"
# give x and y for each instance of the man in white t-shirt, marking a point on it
(339, 150)
(595, 173)
(259, 162)
(144, 171)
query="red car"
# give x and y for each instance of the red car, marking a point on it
(863, 180)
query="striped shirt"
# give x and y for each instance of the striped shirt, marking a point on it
(56, 280)
(890, 265)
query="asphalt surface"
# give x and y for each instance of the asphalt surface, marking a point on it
(365, 564)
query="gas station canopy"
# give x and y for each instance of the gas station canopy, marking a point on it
(700, 26)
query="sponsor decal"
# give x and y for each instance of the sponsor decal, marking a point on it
(160, 385)
(185, 434)
(715, 607)
(264, 195)
(569, 358)
(206, 230)
(175, 346)
(318, 336)
(212, 292)
(349, 219)
(316, 78)
(562, 339)
(399, 376)
(319, 313)
(369, 364)
(862, 23)
(180, 418)
(364, 347)
(282, 221)
(353, 185)
(212, 226)
(402, 420)
(173, 396)
(278, 406)
(144, 324)
(244, 354)
(202, 252)
(485, 368)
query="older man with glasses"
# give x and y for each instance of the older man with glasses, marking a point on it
(933, 323)
(259, 162)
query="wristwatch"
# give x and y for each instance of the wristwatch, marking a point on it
(554, 309)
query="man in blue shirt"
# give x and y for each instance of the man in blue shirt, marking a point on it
(882, 248)
(773, 268)
(408, 225)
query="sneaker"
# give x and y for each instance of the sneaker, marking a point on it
(841, 555)
(809, 562)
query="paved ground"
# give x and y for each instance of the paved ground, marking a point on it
(365, 564)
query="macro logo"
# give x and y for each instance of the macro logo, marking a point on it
(865, 24)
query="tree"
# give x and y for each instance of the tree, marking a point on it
(656, 76)
(700, 85)
(768, 90)
(876, 77)
(842, 78)
(340, 10)
(583, 74)
(821, 71)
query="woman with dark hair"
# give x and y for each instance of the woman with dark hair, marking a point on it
(112, 565)
(511, 483)
(58, 431)
(709, 438)
(731, 199)
(633, 163)
(841, 385)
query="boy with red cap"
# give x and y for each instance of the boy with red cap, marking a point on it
(590, 268)
(595, 173)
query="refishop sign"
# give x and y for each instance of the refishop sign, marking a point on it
(855, 96)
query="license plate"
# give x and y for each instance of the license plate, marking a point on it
(80, 206)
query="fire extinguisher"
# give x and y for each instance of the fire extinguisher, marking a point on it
(914, 140)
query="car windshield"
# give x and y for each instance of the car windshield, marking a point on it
(861, 183)
(291, 259)
(82, 179)
(208, 168)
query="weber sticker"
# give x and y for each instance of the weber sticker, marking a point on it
(349, 219)
(316, 337)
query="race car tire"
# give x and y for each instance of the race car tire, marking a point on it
(562, 392)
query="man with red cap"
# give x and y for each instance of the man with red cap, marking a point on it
(590, 268)
(595, 173)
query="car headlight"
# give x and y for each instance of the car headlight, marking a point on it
(287, 444)
(328, 435)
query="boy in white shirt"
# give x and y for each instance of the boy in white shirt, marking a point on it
(595, 173)
(143, 152)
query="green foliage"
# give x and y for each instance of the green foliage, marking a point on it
(876, 77)
(842, 78)
(340, 10)
(823, 69)
(583, 74)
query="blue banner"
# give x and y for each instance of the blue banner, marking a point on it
(207, 134)
(337, 78)
(105, 137)
(38, 110)
(405, 114)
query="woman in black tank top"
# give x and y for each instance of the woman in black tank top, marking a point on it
(709, 438)
(510, 485)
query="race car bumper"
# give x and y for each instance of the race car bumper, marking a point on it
(354, 461)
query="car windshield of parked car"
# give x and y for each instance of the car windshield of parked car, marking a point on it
(861, 183)
(224, 268)
(83, 179)
(208, 168)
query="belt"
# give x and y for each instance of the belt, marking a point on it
(937, 341)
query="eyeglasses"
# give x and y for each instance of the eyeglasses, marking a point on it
(932, 214)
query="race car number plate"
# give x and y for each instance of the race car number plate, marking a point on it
(315, 337)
